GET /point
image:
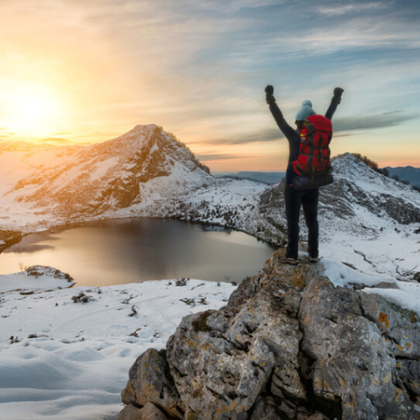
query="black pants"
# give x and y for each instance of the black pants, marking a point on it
(309, 201)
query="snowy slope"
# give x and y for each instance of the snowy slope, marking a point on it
(370, 220)
(64, 359)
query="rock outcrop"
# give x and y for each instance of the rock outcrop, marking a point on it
(288, 345)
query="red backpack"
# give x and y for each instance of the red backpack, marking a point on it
(313, 163)
(314, 153)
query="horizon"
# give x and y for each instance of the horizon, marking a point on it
(224, 171)
(88, 72)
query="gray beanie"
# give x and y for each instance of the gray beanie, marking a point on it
(306, 111)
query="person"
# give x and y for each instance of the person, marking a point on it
(294, 199)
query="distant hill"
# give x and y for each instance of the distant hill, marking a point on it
(265, 177)
(406, 173)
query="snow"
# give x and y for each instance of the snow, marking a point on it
(71, 359)
(45, 278)
(389, 253)
(408, 297)
(342, 275)
(406, 294)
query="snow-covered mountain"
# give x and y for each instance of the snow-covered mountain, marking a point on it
(75, 181)
(148, 172)
(145, 172)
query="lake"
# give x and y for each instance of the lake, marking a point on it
(136, 250)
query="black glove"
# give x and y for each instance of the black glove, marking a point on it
(337, 95)
(270, 99)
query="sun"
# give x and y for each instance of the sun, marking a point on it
(31, 107)
(33, 111)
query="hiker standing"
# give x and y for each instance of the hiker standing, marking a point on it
(294, 198)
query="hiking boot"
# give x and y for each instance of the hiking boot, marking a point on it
(288, 260)
(313, 260)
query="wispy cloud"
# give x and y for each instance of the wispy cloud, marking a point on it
(267, 135)
(338, 10)
(370, 122)
(215, 157)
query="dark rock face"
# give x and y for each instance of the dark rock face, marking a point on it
(355, 341)
(288, 345)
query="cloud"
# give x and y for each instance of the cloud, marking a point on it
(338, 10)
(369, 122)
(214, 157)
(261, 136)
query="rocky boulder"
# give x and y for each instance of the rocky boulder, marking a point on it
(288, 345)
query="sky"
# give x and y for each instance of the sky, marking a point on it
(77, 71)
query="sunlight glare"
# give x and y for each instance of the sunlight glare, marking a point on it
(33, 111)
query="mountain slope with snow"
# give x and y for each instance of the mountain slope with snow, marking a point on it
(366, 220)
(63, 181)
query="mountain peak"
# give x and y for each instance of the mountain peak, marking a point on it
(142, 165)
(141, 127)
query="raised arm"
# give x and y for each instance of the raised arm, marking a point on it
(277, 114)
(336, 99)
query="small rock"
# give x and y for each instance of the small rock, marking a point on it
(130, 413)
(82, 298)
(181, 282)
(385, 285)
(148, 412)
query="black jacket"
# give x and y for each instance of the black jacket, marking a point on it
(293, 136)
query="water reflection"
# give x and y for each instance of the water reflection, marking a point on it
(28, 248)
(212, 228)
(132, 250)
